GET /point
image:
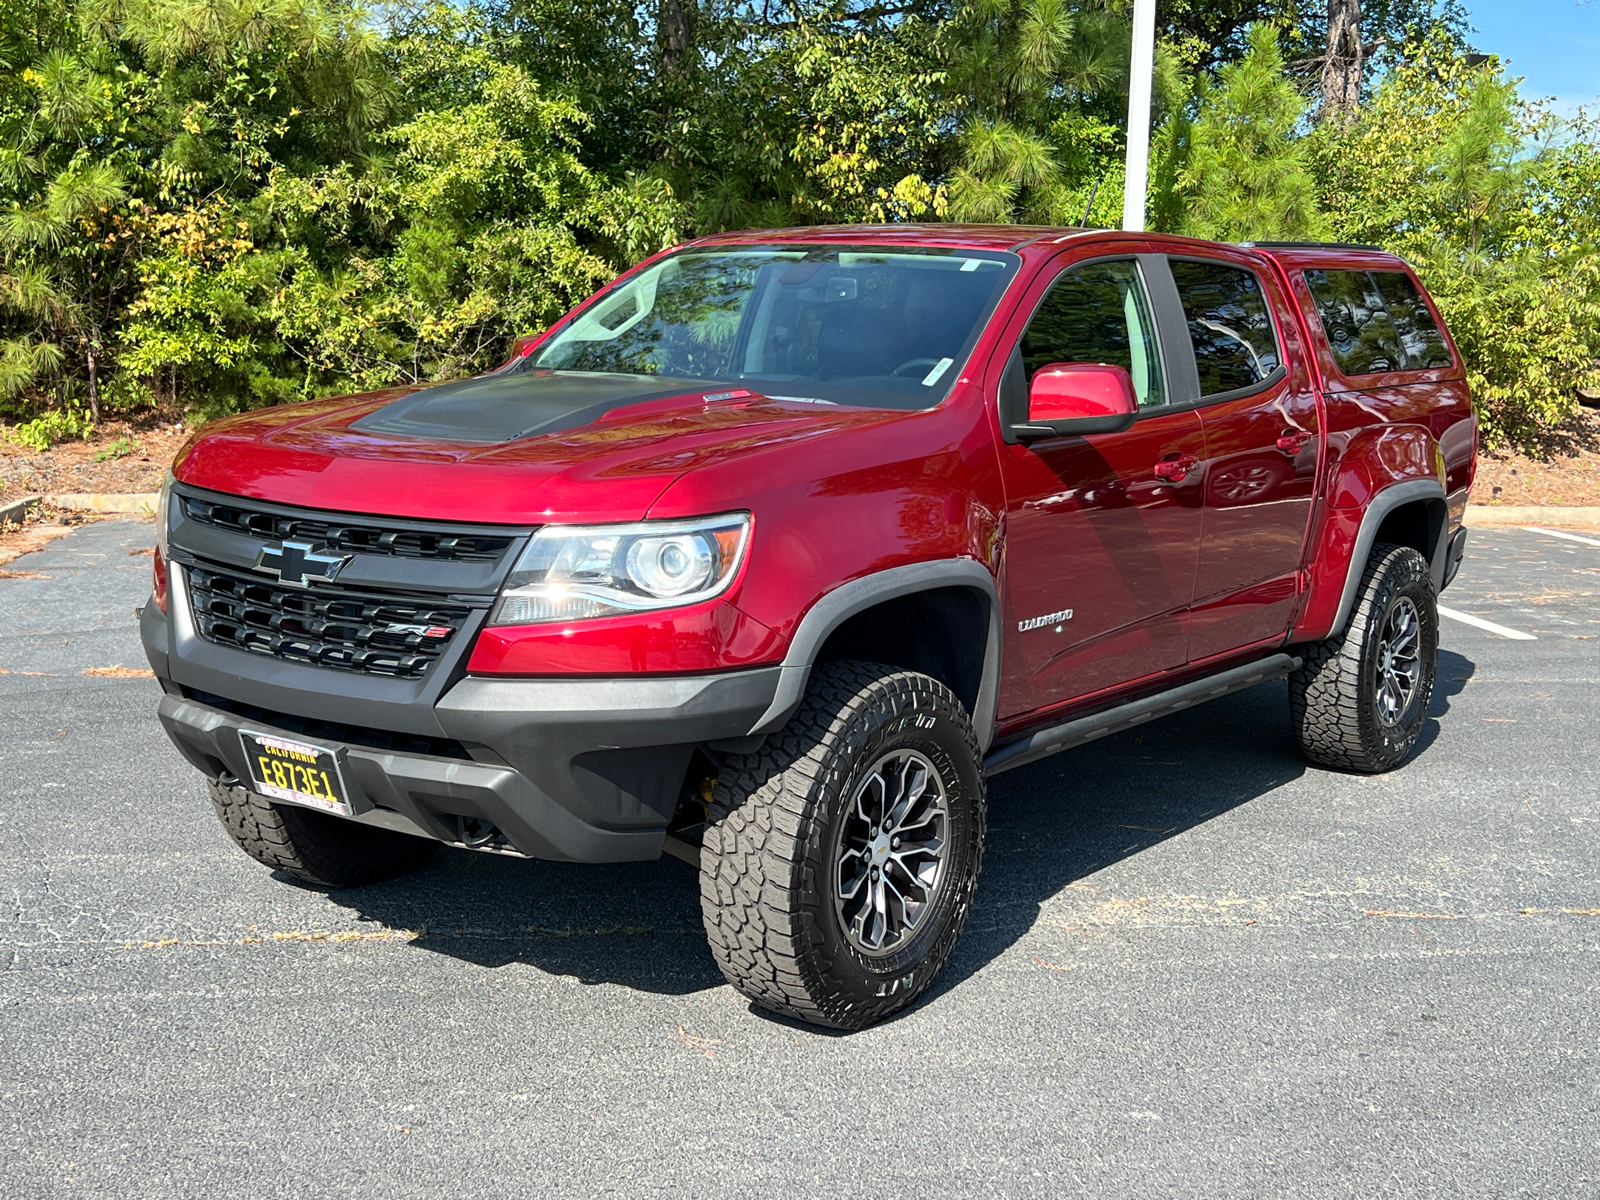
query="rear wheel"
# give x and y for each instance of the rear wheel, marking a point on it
(839, 861)
(312, 846)
(1360, 698)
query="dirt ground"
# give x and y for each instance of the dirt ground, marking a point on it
(133, 456)
(1566, 473)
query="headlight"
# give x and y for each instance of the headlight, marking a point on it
(569, 572)
(158, 560)
(164, 513)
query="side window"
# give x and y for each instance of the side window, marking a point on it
(1234, 343)
(1421, 343)
(1360, 334)
(1098, 313)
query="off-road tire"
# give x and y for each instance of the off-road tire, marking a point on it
(1333, 696)
(314, 847)
(767, 858)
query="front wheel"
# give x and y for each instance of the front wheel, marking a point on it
(1360, 698)
(839, 861)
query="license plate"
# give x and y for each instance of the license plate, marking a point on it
(295, 772)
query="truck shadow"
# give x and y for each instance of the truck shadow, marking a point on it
(1055, 822)
(1050, 824)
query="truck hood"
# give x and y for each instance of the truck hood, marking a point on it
(520, 448)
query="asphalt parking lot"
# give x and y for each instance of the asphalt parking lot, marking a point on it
(1197, 966)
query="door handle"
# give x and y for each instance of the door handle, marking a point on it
(1293, 441)
(1174, 469)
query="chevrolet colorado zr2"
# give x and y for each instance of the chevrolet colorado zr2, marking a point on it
(770, 553)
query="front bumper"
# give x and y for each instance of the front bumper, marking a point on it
(579, 769)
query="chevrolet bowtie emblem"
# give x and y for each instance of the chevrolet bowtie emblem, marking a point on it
(299, 564)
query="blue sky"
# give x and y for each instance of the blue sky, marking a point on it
(1553, 44)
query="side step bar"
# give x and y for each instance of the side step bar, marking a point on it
(1031, 747)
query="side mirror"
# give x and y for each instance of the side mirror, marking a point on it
(1073, 399)
(520, 348)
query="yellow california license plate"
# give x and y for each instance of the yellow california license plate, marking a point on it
(295, 772)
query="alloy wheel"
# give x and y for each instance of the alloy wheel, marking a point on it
(1399, 665)
(890, 859)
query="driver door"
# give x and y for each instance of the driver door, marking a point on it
(1102, 532)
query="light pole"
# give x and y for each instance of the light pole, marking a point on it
(1141, 69)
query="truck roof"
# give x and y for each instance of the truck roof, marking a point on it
(1326, 254)
(1018, 237)
(971, 237)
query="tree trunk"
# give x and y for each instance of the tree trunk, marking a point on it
(675, 36)
(1341, 70)
(94, 384)
(675, 58)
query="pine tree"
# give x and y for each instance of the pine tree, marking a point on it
(1245, 172)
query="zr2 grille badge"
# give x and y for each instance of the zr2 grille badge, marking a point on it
(300, 564)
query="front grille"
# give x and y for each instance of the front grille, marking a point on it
(347, 631)
(352, 537)
(335, 731)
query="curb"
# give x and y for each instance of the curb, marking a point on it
(16, 509)
(133, 504)
(1575, 517)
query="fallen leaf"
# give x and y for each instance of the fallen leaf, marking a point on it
(1502, 720)
(22, 575)
(1050, 966)
(47, 674)
(148, 552)
(119, 672)
(1410, 916)
(704, 1045)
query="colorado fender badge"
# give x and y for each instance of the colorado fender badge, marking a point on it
(1054, 618)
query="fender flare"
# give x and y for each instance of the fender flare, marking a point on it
(848, 599)
(1380, 506)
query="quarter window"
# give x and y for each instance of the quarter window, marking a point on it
(1421, 343)
(1097, 313)
(1234, 343)
(1376, 321)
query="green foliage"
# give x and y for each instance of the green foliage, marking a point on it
(1238, 170)
(1495, 205)
(120, 448)
(235, 203)
(56, 426)
(1039, 88)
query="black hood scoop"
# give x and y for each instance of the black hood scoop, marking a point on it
(517, 404)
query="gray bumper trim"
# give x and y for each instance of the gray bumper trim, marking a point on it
(583, 770)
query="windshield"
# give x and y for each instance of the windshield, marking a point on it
(881, 328)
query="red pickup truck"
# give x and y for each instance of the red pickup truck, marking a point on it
(774, 550)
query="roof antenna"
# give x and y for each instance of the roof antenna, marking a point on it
(1087, 208)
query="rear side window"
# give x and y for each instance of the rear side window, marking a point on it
(1234, 343)
(1376, 321)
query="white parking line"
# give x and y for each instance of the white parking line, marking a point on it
(1571, 537)
(1468, 619)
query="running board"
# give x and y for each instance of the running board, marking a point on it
(1032, 747)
